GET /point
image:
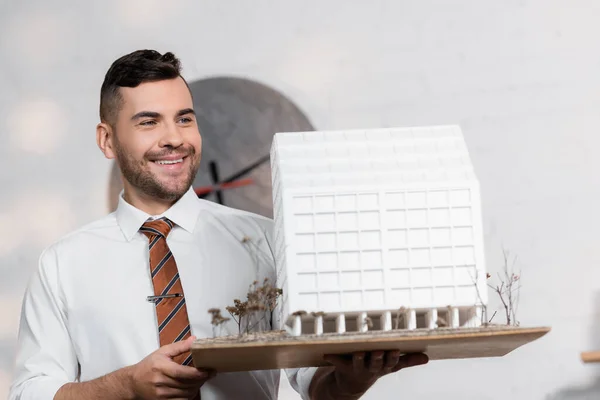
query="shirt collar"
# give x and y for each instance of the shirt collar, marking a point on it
(183, 213)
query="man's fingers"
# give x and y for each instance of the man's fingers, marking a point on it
(177, 348)
(375, 361)
(411, 360)
(391, 359)
(338, 361)
(184, 372)
(352, 363)
(167, 381)
(358, 363)
(378, 362)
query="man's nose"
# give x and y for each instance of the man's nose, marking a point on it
(171, 137)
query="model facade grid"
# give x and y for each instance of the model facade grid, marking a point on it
(377, 225)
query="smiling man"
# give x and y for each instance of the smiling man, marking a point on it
(113, 307)
(158, 148)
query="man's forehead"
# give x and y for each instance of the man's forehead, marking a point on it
(165, 95)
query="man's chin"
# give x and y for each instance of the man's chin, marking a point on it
(171, 194)
(174, 193)
(167, 188)
(159, 190)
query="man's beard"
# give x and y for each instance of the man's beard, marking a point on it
(146, 182)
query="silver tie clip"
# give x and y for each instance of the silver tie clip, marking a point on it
(154, 299)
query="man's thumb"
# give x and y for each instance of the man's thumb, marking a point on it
(334, 360)
(177, 348)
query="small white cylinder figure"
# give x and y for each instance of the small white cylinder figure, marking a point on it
(297, 325)
(432, 316)
(386, 321)
(453, 315)
(361, 322)
(411, 319)
(319, 325)
(340, 323)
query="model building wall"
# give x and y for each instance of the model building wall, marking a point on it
(374, 220)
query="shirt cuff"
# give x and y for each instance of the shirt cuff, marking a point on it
(42, 388)
(303, 378)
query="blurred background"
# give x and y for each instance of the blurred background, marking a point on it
(521, 77)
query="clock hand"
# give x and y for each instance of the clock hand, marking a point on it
(248, 169)
(236, 176)
(214, 175)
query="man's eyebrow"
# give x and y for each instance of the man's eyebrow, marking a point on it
(145, 114)
(185, 111)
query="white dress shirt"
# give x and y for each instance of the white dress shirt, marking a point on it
(85, 312)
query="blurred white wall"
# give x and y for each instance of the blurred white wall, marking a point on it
(520, 76)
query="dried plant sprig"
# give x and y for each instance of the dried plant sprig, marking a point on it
(508, 290)
(484, 311)
(238, 311)
(260, 301)
(217, 320)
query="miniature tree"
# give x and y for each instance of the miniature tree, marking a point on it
(217, 321)
(261, 301)
(509, 288)
(238, 311)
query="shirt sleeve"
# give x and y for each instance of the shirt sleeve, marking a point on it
(300, 379)
(45, 358)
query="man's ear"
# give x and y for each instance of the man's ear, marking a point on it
(105, 139)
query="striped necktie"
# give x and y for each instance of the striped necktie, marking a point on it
(171, 312)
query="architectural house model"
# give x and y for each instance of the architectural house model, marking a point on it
(377, 230)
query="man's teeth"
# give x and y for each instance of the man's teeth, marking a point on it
(164, 162)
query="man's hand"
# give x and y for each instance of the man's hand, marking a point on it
(352, 375)
(159, 377)
(155, 377)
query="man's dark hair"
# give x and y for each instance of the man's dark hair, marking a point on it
(132, 70)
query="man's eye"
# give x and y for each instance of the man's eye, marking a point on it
(148, 123)
(185, 120)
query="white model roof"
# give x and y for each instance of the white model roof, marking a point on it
(382, 157)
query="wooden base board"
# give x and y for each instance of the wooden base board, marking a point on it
(279, 350)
